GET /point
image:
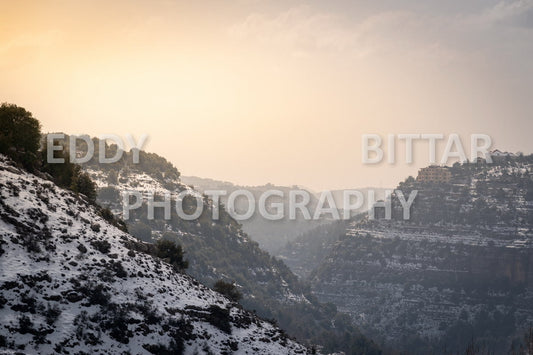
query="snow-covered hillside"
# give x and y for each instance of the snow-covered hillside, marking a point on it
(70, 282)
(460, 268)
(147, 185)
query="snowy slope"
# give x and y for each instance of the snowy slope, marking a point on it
(69, 282)
(207, 270)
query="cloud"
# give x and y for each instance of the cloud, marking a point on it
(302, 31)
(298, 28)
(441, 37)
(519, 13)
(504, 15)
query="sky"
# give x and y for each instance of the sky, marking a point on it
(266, 91)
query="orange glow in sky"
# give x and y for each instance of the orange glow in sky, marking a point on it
(265, 91)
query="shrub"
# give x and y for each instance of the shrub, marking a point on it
(25, 325)
(118, 269)
(97, 294)
(51, 313)
(82, 248)
(106, 214)
(228, 289)
(219, 317)
(82, 183)
(117, 323)
(172, 252)
(102, 246)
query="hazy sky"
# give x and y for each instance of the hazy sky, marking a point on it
(257, 91)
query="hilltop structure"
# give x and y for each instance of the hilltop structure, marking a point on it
(434, 173)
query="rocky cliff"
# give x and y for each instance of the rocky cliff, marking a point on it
(460, 268)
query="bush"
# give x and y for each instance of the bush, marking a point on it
(228, 289)
(95, 227)
(20, 135)
(97, 294)
(82, 183)
(106, 214)
(117, 323)
(51, 313)
(102, 246)
(167, 249)
(220, 318)
(25, 325)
